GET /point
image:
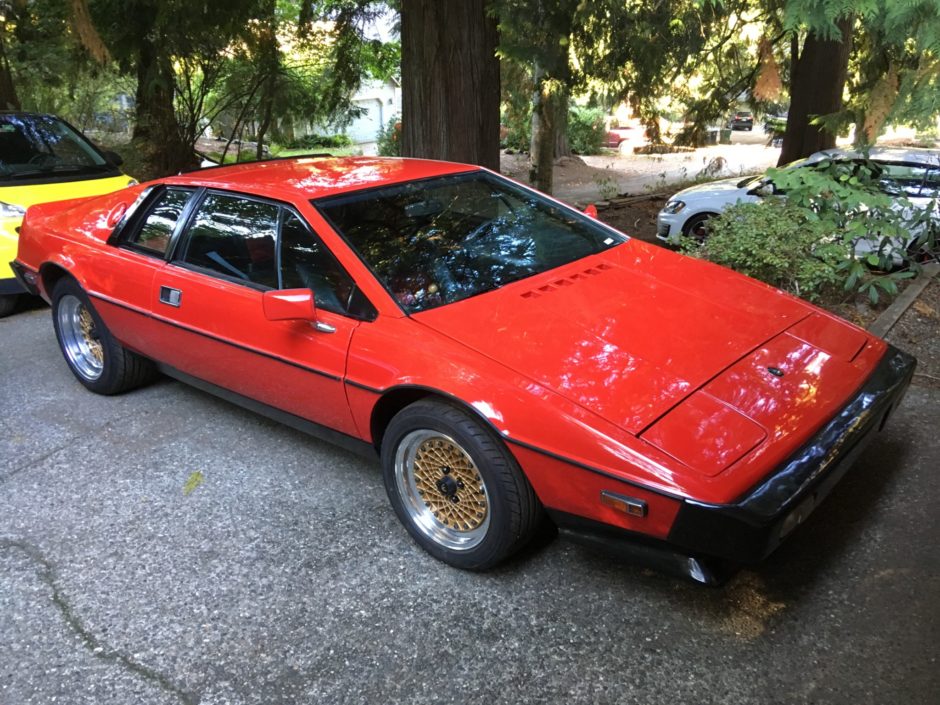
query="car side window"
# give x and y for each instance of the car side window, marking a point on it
(932, 184)
(234, 236)
(902, 179)
(157, 228)
(307, 264)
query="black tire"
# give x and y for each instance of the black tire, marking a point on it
(500, 515)
(8, 304)
(695, 228)
(96, 359)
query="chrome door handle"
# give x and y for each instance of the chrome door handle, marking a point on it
(324, 327)
(170, 296)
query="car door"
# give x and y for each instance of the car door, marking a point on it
(209, 300)
(125, 274)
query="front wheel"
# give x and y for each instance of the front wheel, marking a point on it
(455, 486)
(96, 359)
(696, 227)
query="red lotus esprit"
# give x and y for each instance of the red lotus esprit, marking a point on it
(504, 355)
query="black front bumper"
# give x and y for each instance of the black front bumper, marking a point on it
(750, 528)
(23, 283)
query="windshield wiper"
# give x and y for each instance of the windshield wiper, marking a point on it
(60, 169)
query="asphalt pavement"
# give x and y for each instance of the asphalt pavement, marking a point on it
(167, 547)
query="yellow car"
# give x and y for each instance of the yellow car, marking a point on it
(43, 159)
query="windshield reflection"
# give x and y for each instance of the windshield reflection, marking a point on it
(37, 146)
(438, 241)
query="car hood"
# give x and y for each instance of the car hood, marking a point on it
(27, 195)
(723, 188)
(626, 334)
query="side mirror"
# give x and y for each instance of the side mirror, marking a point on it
(289, 305)
(591, 211)
(113, 157)
(765, 188)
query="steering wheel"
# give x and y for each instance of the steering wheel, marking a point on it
(478, 232)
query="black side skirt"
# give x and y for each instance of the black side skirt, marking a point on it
(350, 443)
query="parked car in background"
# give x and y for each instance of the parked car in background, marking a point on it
(491, 346)
(42, 159)
(741, 120)
(625, 137)
(912, 173)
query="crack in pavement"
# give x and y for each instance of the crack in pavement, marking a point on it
(36, 461)
(48, 575)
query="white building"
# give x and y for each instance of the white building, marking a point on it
(379, 101)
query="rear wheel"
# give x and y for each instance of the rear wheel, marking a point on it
(94, 356)
(456, 487)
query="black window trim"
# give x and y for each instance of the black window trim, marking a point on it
(136, 215)
(180, 237)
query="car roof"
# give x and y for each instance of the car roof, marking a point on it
(317, 176)
(912, 155)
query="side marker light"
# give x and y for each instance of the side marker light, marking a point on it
(628, 505)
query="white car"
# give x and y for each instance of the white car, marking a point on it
(914, 173)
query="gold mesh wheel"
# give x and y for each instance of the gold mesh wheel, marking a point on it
(87, 325)
(79, 337)
(444, 494)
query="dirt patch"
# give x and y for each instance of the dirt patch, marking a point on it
(569, 175)
(918, 332)
(635, 216)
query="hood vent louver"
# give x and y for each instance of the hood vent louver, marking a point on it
(569, 280)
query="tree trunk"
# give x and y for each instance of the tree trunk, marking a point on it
(156, 129)
(9, 100)
(542, 145)
(818, 75)
(263, 130)
(560, 109)
(450, 82)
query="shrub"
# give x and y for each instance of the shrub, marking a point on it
(776, 242)
(320, 141)
(848, 202)
(389, 141)
(586, 129)
(518, 133)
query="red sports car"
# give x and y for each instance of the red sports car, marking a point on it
(505, 356)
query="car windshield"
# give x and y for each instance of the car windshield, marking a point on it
(41, 146)
(437, 241)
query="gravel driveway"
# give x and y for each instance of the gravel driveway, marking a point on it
(166, 547)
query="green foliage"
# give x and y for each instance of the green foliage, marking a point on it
(586, 129)
(848, 203)
(315, 141)
(776, 242)
(518, 133)
(389, 141)
(839, 222)
(894, 68)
